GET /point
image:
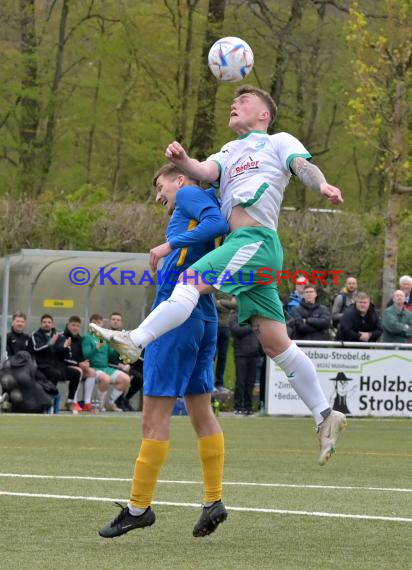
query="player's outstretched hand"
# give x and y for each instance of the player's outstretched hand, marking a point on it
(331, 193)
(157, 253)
(175, 152)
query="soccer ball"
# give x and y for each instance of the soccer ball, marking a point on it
(230, 59)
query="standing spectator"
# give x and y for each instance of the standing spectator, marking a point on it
(311, 319)
(135, 370)
(17, 339)
(360, 323)
(247, 352)
(98, 353)
(296, 296)
(397, 320)
(343, 300)
(69, 352)
(405, 285)
(225, 306)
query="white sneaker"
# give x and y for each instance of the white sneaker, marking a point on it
(328, 433)
(120, 341)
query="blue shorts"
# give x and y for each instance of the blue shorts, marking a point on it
(180, 362)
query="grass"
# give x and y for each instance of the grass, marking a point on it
(49, 533)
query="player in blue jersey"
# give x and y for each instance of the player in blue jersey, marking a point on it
(181, 362)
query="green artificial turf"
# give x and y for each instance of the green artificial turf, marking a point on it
(40, 532)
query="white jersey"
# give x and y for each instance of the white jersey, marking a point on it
(254, 172)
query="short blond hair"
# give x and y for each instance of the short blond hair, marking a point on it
(264, 96)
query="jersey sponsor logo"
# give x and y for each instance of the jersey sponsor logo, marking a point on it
(245, 166)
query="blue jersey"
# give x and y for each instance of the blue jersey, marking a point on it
(193, 231)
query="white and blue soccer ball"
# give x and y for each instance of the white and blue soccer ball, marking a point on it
(230, 59)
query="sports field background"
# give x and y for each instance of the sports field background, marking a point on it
(369, 477)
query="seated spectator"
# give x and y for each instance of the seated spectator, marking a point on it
(69, 352)
(360, 322)
(98, 353)
(343, 300)
(405, 285)
(296, 296)
(17, 339)
(397, 320)
(135, 370)
(44, 346)
(247, 351)
(311, 319)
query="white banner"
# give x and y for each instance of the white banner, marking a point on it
(361, 382)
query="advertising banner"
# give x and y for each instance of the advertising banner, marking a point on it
(361, 382)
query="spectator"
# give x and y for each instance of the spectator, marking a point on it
(247, 352)
(397, 320)
(70, 353)
(98, 353)
(360, 322)
(343, 300)
(296, 296)
(17, 339)
(311, 319)
(44, 345)
(405, 285)
(135, 370)
(225, 306)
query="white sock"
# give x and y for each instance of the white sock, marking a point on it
(101, 395)
(302, 375)
(135, 511)
(168, 315)
(114, 395)
(88, 389)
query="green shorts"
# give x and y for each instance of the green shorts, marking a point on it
(246, 266)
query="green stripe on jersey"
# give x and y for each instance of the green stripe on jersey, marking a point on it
(256, 197)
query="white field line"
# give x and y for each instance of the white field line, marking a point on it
(196, 505)
(225, 483)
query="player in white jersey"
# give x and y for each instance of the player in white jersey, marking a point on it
(252, 172)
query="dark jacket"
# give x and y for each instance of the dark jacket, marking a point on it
(72, 354)
(311, 321)
(397, 324)
(16, 342)
(245, 342)
(352, 323)
(44, 352)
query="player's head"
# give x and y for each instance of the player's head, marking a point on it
(166, 182)
(46, 323)
(19, 322)
(116, 321)
(73, 325)
(96, 319)
(252, 109)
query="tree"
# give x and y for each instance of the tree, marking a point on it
(380, 110)
(203, 132)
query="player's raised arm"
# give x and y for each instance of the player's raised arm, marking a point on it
(313, 178)
(207, 171)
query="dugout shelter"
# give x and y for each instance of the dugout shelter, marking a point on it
(38, 281)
